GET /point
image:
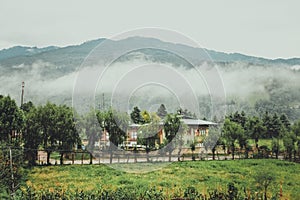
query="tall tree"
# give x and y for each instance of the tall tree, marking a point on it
(136, 116)
(68, 136)
(275, 129)
(296, 131)
(289, 142)
(11, 155)
(267, 122)
(162, 111)
(90, 126)
(212, 140)
(47, 121)
(58, 129)
(179, 138)
(26, 107)
(232, 131)
(255, 129)
(171, 128)
(115, 124)
(148, 134)
(285, 121)
(239, 118)
(296, 128)
(146, 116)
(11, 120)
(32, 135)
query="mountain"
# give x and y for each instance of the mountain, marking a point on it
(23, 51)
(67, 59)
(251, 83)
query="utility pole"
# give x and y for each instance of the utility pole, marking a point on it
(103, 103)
(22, 94)
(12, 175)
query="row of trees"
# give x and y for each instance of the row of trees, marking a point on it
(53, 128)
(239, 128)
(50, 127)
(116, 124)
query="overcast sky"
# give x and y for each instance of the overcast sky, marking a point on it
(269, 28)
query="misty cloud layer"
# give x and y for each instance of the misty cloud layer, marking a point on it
(143, 82)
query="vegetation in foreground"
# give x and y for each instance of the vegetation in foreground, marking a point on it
(25, 130)
(194, 180)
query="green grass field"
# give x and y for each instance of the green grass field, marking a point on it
(172, 179)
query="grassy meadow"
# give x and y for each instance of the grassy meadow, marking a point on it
(172, 180)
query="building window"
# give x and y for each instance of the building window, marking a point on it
(134, 135)
(203, 132)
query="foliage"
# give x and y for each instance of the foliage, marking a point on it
(289, 142)
(171, 127)
(11, 120)
(146, 117)
(264, 178)
(10, 172)
(201, 178)
(193, 148)
(67, 136)
(32, 135)
(232, 132)
(148, 133)
(115, 124)
(90, 126)
(238, 118)
(58, 131)
(212, 140)
(162, 111)
(255, 129)
(296, 128)
(186, 113)
(136, 116)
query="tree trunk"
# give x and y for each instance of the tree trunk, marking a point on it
(256, 144)
(111, 156)
(61, 158)
(246, 153)
(48, 157)
(32, 157)
(91, 158)
(178, 155)
(232, 151)
(147, 156)
(213, 153)
(193, 157)
(170, 155)
(277, 149)
(72, 158)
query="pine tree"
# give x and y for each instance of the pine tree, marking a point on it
(136, 116)
(162, 111)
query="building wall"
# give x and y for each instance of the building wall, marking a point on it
(195, 133)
